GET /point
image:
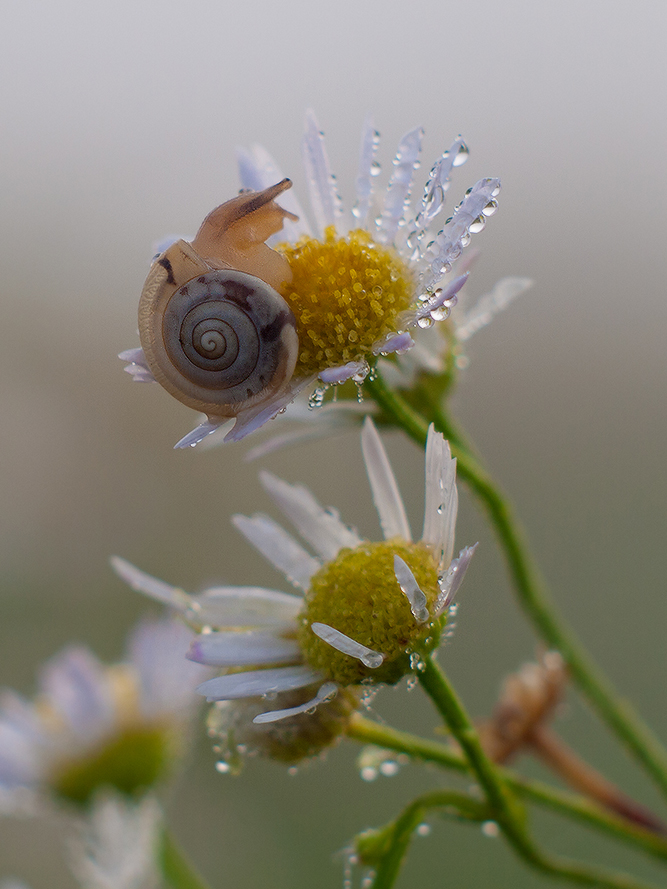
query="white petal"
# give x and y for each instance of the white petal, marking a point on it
(319, 527)
(326, 693)
(448, 244)
(134, 356)
(257, 683)
(323, 197)
(446, 298)
(250, 420)
(258, 170)
(346, 645)
(386, 497)
(439, 181)
(78, 688)
(398, 190)
(441, 498)
(115, 844)
(344, 372)
(364, 181)
(198, 434)
(488, 306)
(276, 545)
(244, 607)
(243, 649)
(451, 582)
(157, 651)
(408, 584)
(393, 342)
(151, 586)
(138, 374)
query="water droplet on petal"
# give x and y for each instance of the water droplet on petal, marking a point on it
(461, 155)
(477, 225)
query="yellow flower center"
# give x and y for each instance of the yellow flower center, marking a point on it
(346, 295)
(131, 762)
(357, 594)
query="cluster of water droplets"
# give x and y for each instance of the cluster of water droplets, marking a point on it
(374, 762)
(469, 218)
(434, 196)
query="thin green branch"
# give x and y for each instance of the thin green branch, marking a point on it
(174, 865)
(530, 587)
(570, 805)
(507, 812)
(385, 849)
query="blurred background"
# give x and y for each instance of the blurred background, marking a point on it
(119, 125)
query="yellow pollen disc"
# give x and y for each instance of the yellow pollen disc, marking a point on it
(357, 593)
(346, 294)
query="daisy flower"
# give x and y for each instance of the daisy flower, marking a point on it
(115, 846)
(94, 726)
(358, 285)
(364, 613)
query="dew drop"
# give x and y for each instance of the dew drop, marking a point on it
(369, 773)
(462, 361)
(423, 830)
(372, 659)
(490, 829)
(461, 155)
(477, 225)
(389, 768)
(490, 208)
(292, 771)
(439, 313)
(425, 322)
(465, 239)
(223, 767)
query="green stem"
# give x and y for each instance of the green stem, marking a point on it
(389, 845)
(619, 714)
(570, 805)
(385, 849)
(506, 810)
(176, 869)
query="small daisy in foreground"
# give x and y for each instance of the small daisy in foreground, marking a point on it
(116, 845)
(93, 726)
(366, 612)
(352, 287)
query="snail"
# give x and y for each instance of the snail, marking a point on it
(214, 329)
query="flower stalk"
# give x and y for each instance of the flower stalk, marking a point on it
(530, 588)
(504, 807)
(569, 805)
(177, 870)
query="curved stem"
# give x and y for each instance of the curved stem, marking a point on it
(530, 587)
(386, 848)
(174, 865)
(506, 810)
(570, 805)
(390, 845)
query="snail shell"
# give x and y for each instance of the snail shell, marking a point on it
(215, 331)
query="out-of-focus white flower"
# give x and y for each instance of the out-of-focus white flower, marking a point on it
(115, 846)
(93, 726)
(365, 613)
(363, 282)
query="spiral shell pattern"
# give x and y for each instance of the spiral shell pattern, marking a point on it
(223, 341)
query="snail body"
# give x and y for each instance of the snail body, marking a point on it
(214, 329)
